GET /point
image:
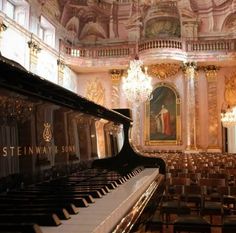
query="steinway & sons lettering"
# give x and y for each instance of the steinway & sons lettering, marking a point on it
(32, 150)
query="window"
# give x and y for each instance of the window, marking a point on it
(18, 11)
(47, 32)
(41, 33)
(20, 18)
(10, 9)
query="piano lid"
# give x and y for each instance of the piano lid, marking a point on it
(14, 77)
(47, 131)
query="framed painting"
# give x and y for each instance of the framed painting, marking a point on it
(162, 116)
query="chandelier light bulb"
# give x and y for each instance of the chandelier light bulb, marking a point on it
(228, 118)
(137, 85)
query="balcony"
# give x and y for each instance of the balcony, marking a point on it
(153, 50)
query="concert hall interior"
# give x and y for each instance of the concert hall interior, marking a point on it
(117, 116)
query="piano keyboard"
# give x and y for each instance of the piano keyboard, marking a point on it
(106, 212)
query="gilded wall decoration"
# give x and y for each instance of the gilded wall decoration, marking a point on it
(230, 90)
(163, 70)
(213, 116)
(210, 72)
(115, 78)
(95, 92)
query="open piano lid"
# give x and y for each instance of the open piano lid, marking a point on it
(54, 107)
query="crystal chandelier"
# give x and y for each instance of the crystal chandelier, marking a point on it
(228, 118)
(137, 85)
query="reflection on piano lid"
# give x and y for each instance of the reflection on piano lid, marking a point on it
(60, 152)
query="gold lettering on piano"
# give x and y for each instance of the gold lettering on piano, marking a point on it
(47, 132)
(4, 150)
(67, 149)
(34, 150)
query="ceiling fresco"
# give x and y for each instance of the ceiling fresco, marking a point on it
(102, 20)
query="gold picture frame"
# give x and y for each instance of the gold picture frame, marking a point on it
(163, 116)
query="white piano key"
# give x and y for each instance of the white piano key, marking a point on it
(103, 215)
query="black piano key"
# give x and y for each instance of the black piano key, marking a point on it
(87, 197)
(60, 212)
(78, 202)
(41, 219)
(92, 193)
(49, 189)
(71, 208)
(20, 227)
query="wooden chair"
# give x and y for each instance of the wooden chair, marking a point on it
(192, 223)
(174, 205)
(229, 224)
(193, 197)
(211, 206)
(155, 224)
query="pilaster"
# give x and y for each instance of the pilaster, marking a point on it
(34, 49)
(115, 81)
(60, 71)
(190, 73)
(213, 122)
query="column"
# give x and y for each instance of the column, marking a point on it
(213, 122)
(115, 80)
(189, 71)
(34, 50)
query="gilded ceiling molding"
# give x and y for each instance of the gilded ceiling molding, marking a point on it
(230, 90)
(164, 70)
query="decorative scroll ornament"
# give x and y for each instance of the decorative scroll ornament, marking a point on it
(163, 70)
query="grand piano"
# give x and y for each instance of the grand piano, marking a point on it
(67, 164)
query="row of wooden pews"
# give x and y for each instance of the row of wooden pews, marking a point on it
(49, 202)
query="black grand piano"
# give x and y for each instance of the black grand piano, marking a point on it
(66, 163)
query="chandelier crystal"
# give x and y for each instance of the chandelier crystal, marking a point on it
(228, 118)
(137, 85)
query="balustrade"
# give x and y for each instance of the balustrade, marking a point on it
(160, 44)
(171, 44)
(212, 45)
(102, 52)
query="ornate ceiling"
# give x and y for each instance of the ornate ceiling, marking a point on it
(116, 20)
